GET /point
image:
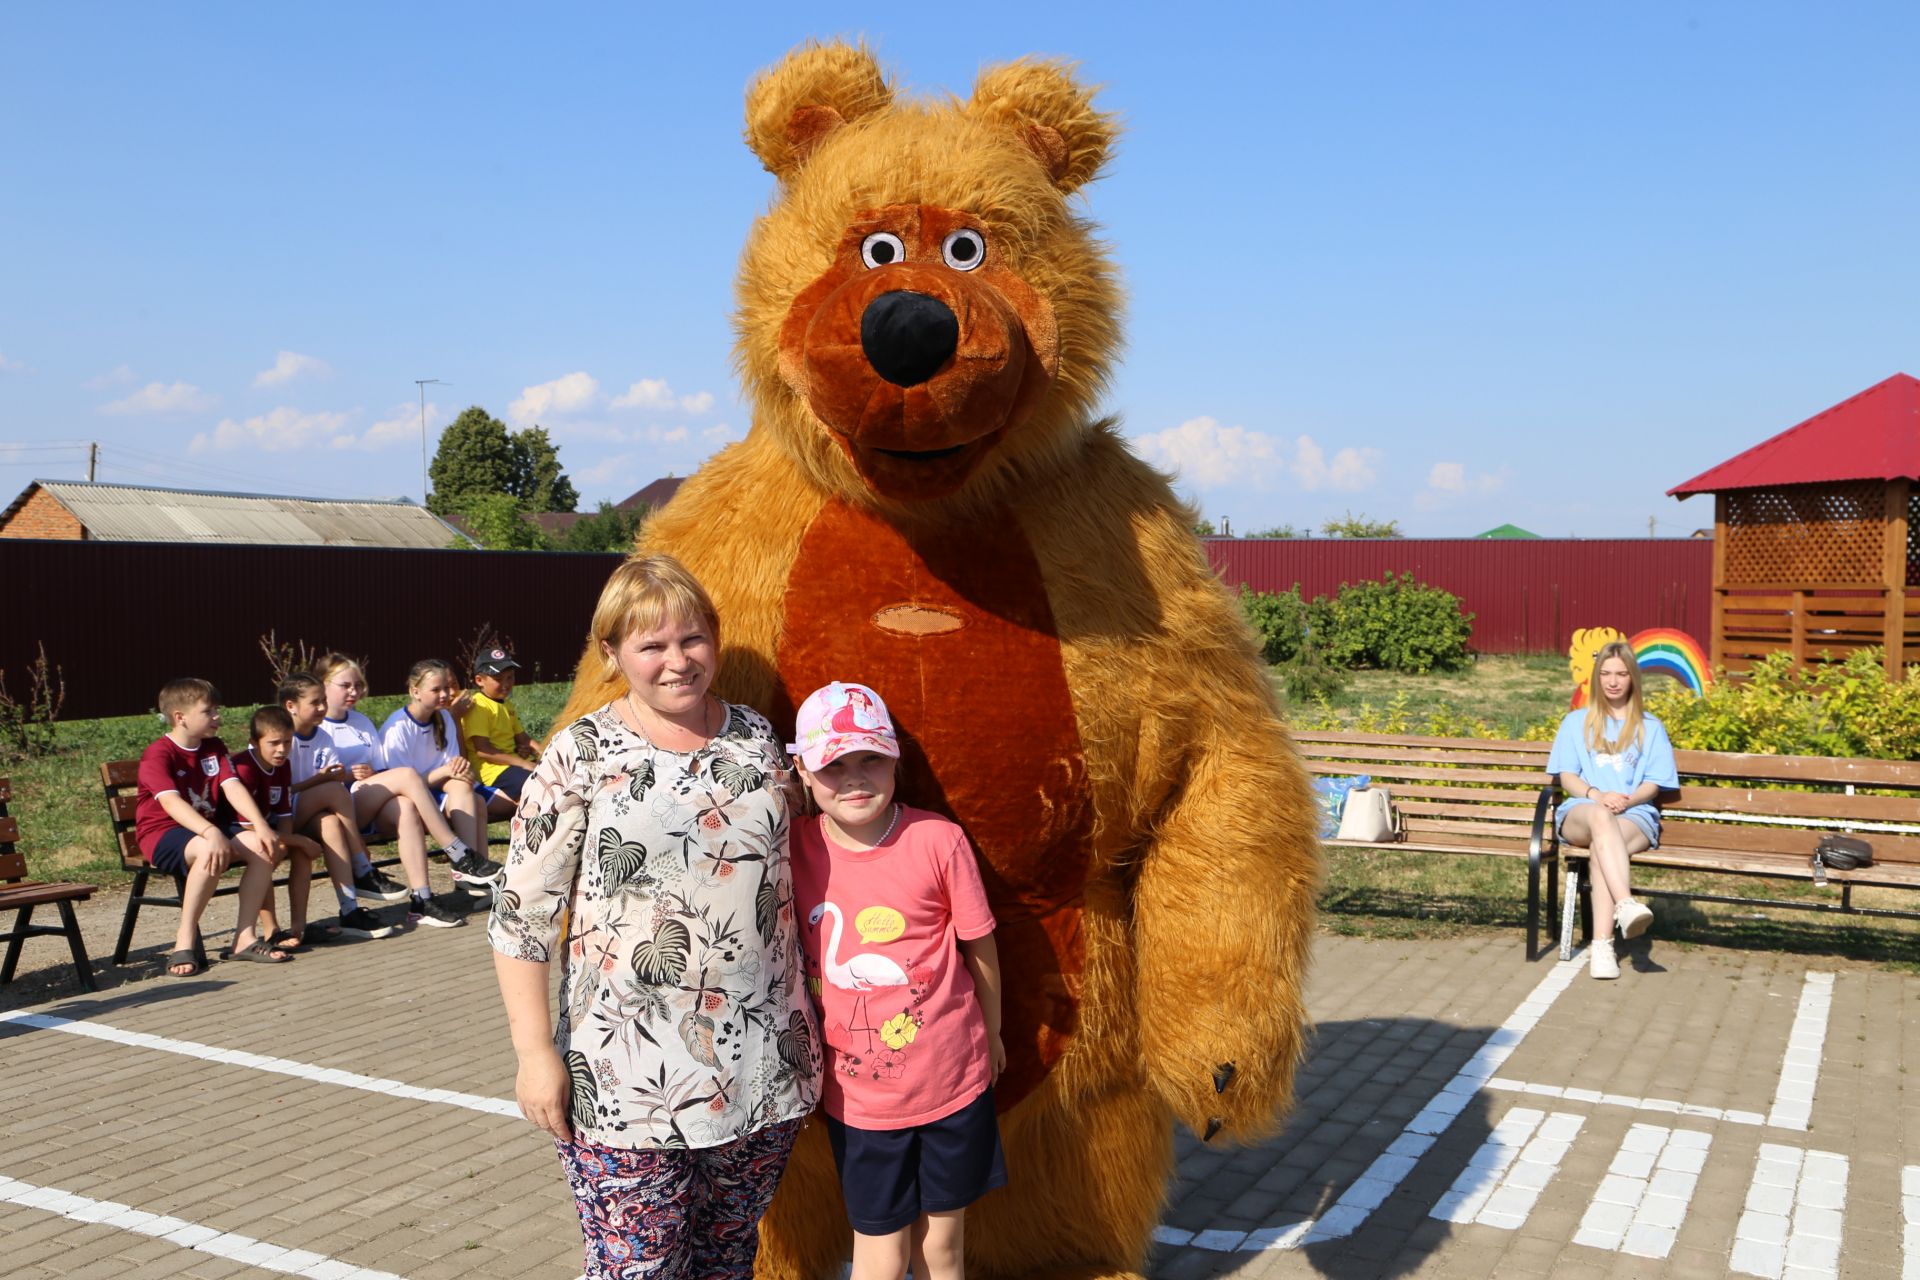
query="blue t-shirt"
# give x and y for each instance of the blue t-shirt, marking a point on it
(1648, 760)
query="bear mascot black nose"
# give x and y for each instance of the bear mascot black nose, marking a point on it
(908, 336)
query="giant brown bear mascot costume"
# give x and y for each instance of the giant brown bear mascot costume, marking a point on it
(928, 502)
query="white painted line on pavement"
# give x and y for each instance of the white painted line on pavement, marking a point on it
(1794, 1210)
(1371, 1189)
(1800, 1069)
(1639, 1206)
(188, 1235)
(1668, 1106)
(1504, 1179)
(1910, 1215)
(260, 1062)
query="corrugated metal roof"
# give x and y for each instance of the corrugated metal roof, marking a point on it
(134, 513)
(1871, 436)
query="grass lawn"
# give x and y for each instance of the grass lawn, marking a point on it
(1510, 692)
(57, 799)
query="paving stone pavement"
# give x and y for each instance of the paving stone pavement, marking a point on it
(1461, 1112)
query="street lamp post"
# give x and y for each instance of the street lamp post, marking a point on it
(423, 384)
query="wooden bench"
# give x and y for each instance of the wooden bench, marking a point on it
(120, 783)
(1457, 795)
(21, 895)
(1732, 815)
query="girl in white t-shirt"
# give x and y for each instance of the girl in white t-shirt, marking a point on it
(422, 736)
(393, 802)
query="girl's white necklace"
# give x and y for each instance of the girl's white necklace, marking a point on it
(875, 844)
(706, 719)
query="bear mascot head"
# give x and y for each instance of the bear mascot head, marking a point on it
(928, 502)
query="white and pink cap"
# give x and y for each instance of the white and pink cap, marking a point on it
(841, 718)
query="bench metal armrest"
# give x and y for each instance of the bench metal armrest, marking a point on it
(1543, 836)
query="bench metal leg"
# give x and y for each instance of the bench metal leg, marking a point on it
(14, 940)
(133, 913)
(1533, 909)
(1566, 914)
(82, 965)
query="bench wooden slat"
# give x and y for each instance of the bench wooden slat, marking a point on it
(1796, 804)
(1519, 764)
(1793, 841)
(13, 865)
(34, 894)
(9, 830)
(1508, 745)
(124, 808)
(120, 773)
(1503, 797)
(1507, 849)
(6, 790)
(1507, 813)
(1838, 772)
(1391, 771)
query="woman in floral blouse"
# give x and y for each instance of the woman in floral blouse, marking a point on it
(686, 1049)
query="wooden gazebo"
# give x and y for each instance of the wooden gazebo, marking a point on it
(1815, 530)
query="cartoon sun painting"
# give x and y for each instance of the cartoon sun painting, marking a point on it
(1586, 646)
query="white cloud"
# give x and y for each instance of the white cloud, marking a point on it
(160, 397)
(654, 393)
(288, 366)
(400, 426)
(1210, 456)
(604, 472)
(282, 429)
(118, 376)
(9, 365)
(719, 433)
(568, 394)
(1447, 482)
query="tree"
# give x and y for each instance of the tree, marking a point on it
(1352, 526)
(497, 522)
(1203, 529)
(608, 529)
(537, 479)
(475, 457)
(478, 456)
(1283, 531)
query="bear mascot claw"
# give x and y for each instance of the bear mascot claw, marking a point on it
(928, 502)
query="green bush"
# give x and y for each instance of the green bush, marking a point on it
(1395, 624)
(1846, 708)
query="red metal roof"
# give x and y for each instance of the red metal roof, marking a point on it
(1872, 436)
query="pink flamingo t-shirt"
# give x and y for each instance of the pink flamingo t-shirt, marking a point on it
(906, 1041)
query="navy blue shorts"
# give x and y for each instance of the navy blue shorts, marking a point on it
(510, 781)
(170, 852)
(891, 1177)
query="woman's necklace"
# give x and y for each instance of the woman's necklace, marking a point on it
(706, 721)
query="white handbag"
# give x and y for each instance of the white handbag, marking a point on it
(1368, 817)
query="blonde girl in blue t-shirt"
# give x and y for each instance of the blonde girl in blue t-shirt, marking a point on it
(1612, 760)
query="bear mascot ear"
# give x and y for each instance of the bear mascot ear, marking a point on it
(1053, 114)
(813, 91)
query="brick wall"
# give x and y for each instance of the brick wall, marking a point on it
(42, 516)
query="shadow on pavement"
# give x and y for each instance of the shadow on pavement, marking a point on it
(1362, 1083)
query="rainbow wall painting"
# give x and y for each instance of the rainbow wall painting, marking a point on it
(1661, 651)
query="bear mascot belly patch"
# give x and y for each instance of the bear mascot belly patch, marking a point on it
(929, 502)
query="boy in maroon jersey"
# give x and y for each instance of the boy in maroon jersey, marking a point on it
(267, 773)
(184, 775)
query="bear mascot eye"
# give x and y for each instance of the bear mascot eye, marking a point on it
(964, 249)
(881, 249)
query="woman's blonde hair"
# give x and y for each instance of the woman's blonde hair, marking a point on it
(1634, 720)
(644, 593)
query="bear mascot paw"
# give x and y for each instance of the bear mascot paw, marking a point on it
(929, 503)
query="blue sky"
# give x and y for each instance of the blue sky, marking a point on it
(1449, 264)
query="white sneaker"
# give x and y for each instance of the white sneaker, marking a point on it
(1632, 918)
(1600, 961)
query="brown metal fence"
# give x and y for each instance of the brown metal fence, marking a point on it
(1528, 595)
(122, 618)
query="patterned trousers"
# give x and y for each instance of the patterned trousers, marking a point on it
(654, 1214)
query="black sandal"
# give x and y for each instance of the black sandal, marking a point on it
(184, 956)
(258, 952)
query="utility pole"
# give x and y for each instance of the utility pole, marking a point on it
(423, 384)
(1650, 522)
(93, 459)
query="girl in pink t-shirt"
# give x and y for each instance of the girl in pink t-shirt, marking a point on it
(900, 956)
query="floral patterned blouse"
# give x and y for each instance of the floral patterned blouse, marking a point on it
(684, 1018)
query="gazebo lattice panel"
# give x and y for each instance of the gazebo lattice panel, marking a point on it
(1826, 533)
(1913, 539)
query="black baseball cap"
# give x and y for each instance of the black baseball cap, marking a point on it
(493, 662)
